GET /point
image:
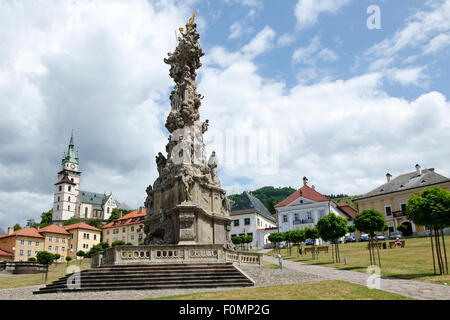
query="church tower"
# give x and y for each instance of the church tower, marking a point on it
(67, 188)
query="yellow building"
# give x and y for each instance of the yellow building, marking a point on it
(82, 237)
(392, 197)
(22, 244)
(56, 240)
(129, 228)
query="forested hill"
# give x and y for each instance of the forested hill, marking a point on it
(269, 196)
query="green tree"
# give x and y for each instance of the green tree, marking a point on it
(70, 221)
(351, 228)
(402, 228)
(99, 247)
(276, 237)
(56, 256)
(431, 208)
(270, 205)
(46, 218)
(115, 214)
(95, 222)
(31, 224)
(370, 221)
(330, 228)
(32, 259)
(296, 237)
(17, 227)
(81, 254)
(68, 259)
(45, 258)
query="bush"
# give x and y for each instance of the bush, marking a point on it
(32, 259)
(44, 257)
(118, 243)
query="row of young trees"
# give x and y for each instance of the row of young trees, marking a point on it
(240, 240)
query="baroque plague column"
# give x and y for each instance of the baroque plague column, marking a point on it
(186, 204)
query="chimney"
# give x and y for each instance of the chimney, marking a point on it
(313, 187)
(305, 181)
(10, 230)
(141, 209)
(418, 169)
(120, 214)
(388, 177)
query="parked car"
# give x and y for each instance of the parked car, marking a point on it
(394, 235)
(363, 237)
(309, 242)
(379, 236)
(350, 238)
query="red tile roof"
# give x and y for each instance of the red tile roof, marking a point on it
(26, 232)
(128, 219)
(5, 253)
(53, 228)
(65, 179)
(344, 206)
(81, 225)
(305, 192)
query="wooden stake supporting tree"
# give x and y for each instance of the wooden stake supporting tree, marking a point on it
(431, 208)
(45, 258)
(370, 221)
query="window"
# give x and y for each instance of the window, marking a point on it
(140, 238)
(236, 223)
(49, 248)
(70, 188)
(68, 199)
(388, 211)
(309, 215)
(63, 249)
(132, 229)
(58, 199)
(247, 221)
(56, 248)
(132, 237)
(30, 242)
(57, 239)
(63, 240)
(50, 239)
(37, 243)
(85, 211)
(295, 216)
(22, 242)
(107, 210)
(21, 252)
(403, 207)
(57, 207)
(29, 253)
(285, 218)
(85, 235)
(95, 237)
(322, 213)
(123, 229)
(68, 208)
(123, 238)
(107, 232)
(60, 189)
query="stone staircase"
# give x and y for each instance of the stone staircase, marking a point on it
(154, 276)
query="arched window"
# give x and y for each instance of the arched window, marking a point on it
(68, 208)
(107, 210)
(58, 199)
(57, 207)
(85, 210)
(69, 199)
(70, 188)
(60, 188)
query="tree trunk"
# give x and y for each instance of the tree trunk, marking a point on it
(332, 252)
(445, 250)
(438, 251)
(378, 252)
(432, 249)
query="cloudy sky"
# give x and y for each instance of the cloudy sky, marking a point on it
(338, 102)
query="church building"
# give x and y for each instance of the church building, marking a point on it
(69, 201)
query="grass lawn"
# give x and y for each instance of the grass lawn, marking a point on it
(54, 273)
(323, 290)
(414, 262)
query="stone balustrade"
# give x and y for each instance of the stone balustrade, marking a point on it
(153, 254)
(22, 267)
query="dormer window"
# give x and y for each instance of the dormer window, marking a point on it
(301, 201)
(423, 181)
(402, 186)
(381, 190)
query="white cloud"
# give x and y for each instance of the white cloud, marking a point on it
(314, 53)
(235, 30)
(408, 76)
(425, 32)
(260, 43)
(285, 40)
(308, 11)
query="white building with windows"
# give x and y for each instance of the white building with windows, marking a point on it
(250, 216)
(303, 208)
(69, 201)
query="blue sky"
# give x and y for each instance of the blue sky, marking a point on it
(342, 104)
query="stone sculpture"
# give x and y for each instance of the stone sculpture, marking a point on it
(185, 203)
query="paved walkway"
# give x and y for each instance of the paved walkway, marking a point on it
(408, 288)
